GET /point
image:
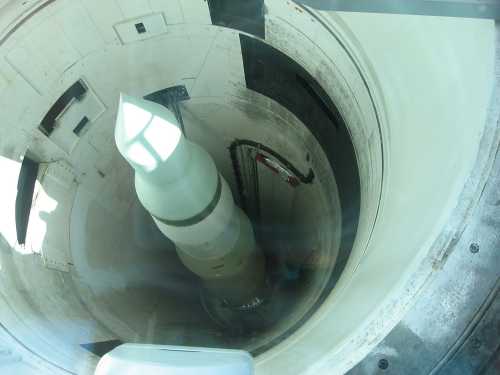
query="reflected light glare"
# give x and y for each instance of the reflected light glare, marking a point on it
(163, 137)
(108, 365)
(43, 203)
(138, 154)
(135, 119)
(8, 192)
(37, 225)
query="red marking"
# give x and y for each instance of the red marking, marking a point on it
(294, 181)
(291, 180)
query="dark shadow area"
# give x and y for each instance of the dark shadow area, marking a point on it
(244, 15)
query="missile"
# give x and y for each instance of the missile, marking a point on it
(178, 183)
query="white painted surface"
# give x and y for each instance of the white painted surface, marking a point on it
(89, 106)
(195, 12)
(80, 29)
(133, 8)
(153, 24)
(108, 14)
(427, 67)
(175, 360)
(172, 10)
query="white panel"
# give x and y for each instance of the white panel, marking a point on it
(32, 67)
(12, 87)
(105, 14)
(43, 55)
(223, 67)
(48, 228)
(92, 106)
(63, 134)
(53, 45)
(79, 28)
(42, 147)
(172, 10)
(196, 11)
(32, 21)
(134, 8)
(155, 25)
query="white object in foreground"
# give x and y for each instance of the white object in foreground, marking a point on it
(132, 359)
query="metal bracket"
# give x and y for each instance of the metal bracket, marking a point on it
(170, 98)
(75, 92)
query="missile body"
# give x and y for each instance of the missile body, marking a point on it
(178, 183)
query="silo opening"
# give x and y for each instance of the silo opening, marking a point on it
(279, 158)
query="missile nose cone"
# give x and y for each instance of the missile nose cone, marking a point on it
(146, 133)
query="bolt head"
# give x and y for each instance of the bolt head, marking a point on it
(383, 364)
(474, 248)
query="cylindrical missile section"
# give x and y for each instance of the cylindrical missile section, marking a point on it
(178, 183)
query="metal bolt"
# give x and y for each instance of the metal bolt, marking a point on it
(383, 364)
(474, 248)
